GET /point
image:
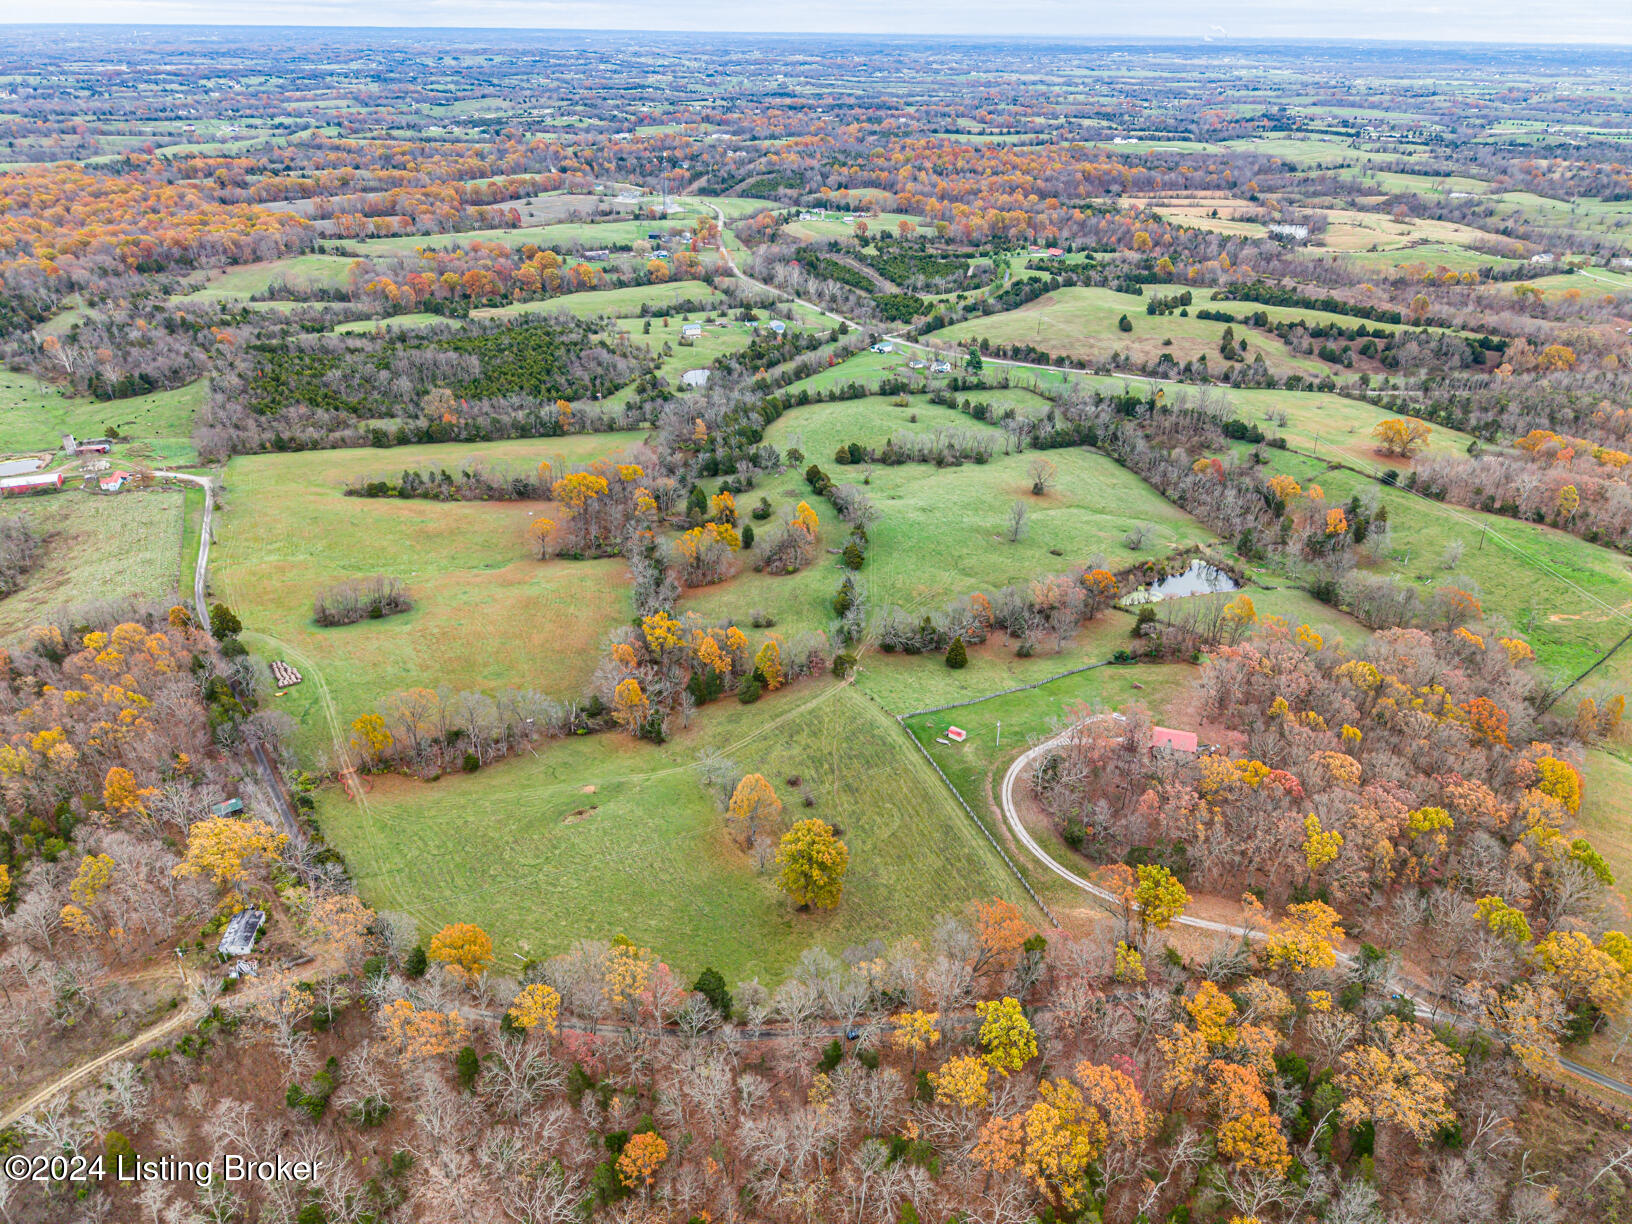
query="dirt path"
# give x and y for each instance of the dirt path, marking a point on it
(77, 1076)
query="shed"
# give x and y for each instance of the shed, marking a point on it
(694, 378)
(112, 482)
(883, 346)
(239, 937)
(1177, 741)
(956, 734)
(34, 482)
(227, 807)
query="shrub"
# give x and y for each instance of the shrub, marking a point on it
(346, 603)
(957, 657)
(467, 1065)
(750, 690)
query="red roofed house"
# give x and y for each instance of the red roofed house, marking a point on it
(1178, 741)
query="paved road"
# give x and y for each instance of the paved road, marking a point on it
(263, 763)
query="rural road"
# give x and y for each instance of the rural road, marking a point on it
(1408, 989)
(201, 611)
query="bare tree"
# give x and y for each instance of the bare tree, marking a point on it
(1017, 522)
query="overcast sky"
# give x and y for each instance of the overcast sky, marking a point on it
(1518, 21)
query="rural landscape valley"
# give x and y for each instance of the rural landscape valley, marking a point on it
(812, 629)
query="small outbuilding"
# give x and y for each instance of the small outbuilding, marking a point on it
(239, 937)
(694, 379)
(1176, 741)
(956, 734)
(227, 807)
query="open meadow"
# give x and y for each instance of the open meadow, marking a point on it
(487, 613)
(155, 429)
(96, 548)
(598, 836)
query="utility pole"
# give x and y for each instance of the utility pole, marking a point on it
(1000, 735)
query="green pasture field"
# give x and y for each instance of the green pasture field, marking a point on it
(940, 534)
(1083, 322)
(240, 282)
(487, 614)
(1433, 256)
(833, 226)
(402, 322)
(603, 835)
(622, 302)
(1325, 423)
(96, 547)
(587, 234)
(1606, 809)
(34, 415)
(1567, 598)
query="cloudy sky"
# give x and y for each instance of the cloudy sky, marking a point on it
(1518, 21)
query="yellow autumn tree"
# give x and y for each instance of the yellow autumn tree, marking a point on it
(1159, 896)
(915, 1032)
(1401, 436)
(812, 863)
(420, 1033)
(224, 850)
(641, 1158)
(536, 1006)
(1005, 1034)
(768, 665)
(369, 738)
(121, 795)
(754, 809)
(963, 1081)
(1062, 1137)
(1305, 939)
(630, 709)
(1404, 1080)
(463, 948)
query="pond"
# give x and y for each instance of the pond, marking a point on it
(1198, 579)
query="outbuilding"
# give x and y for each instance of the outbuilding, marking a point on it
(33, 482)
(956, 734)
(1175, 741)
(694, 379)
(239, 937)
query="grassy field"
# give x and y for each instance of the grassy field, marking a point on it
(940, 534)
(1083, 323)
(1331, 423)
(598, 836)
(1567, 598)
(1606, 810)
(309, 271)
(622, 302)
(96, 548)
(158, 427)
(487, 615)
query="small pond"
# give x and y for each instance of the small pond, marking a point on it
(20, 467)
(1199, 579)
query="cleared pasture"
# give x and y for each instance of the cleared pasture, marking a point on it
(602, 835)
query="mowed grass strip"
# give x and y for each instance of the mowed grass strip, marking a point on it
(598, 836)
(97, 548)
(487, 614)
